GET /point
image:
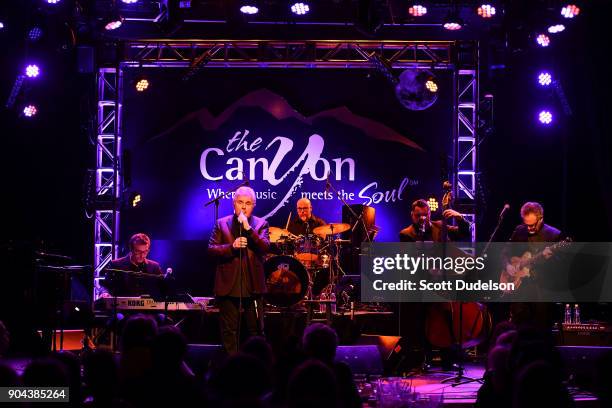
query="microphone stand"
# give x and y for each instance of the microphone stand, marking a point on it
(359, 218)
(499, 222)
(240, 296)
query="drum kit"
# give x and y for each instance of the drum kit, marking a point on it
(302, 267)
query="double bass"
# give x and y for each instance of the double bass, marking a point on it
(465, 324)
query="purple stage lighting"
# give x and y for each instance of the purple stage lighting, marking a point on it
(486, 11)
(570, 11)
(545, 117)
(417, 10)
(129, 1)
(1, 25)
(452, 26)
(30, 111)
(35, 33)
(544, 79)
(300, 8)
(32, 71)
(249, 9)
(53, 1)
(557, 28)
(113, 24)
(543, 40)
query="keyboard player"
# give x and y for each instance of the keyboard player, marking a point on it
(120, 284)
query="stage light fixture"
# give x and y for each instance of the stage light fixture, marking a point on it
(135, 200)
(142, 85)
(557, 28)
(32, 71)
(543, 40)
(1, 25)
(486, 11)
(35, 34)
(544, 78)
(417, 10)
(570, 11)
(129, 1)
(452, 22)
(113, 20)
(30, 111)
(249, 10)
(545, 117)
(412, 89)
(53, 1)
(249, 7)
(433, 204)
(431, 86)
(300, 8)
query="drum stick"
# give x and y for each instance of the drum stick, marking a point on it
(288, 219)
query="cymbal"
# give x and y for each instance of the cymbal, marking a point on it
(279, 234)
(329, 229)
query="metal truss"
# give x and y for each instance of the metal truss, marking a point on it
(108, 161)
(466, 144)
(287, 54)
(193, 54)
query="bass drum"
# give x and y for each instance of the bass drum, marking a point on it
(286, 281)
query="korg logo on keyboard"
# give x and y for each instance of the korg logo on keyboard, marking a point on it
(136, 303)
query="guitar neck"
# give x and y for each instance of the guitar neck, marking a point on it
(540, 255)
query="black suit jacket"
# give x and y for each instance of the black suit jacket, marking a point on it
(126, 285)
(228, 260)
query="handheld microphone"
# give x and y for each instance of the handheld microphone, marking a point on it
(168, 273)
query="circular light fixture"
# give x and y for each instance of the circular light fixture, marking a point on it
(300, 8)
(545, 117)
(32, 71)
(417, 10)
(543, 40)
(570, 11)
(142, 85)
(30, 111)
(249, 9)
(544, 78)
(486, 11)
(417, 89)
(557, 28)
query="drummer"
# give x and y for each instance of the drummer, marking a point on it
(305, 222)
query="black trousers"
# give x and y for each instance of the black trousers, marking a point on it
(229, 320)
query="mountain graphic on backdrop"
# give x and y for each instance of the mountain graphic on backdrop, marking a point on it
(278, 107)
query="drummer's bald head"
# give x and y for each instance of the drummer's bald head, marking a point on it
(304, 202)
(304, 208)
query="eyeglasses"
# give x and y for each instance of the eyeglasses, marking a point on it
(241, 203)
(303, 208)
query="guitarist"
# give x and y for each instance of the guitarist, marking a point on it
(533, 230)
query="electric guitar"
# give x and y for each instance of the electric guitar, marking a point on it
(521, 266)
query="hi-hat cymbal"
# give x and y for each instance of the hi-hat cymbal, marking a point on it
(329, 229)
(279, 234)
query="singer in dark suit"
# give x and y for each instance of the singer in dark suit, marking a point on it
(423, 229)
(238, 243)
